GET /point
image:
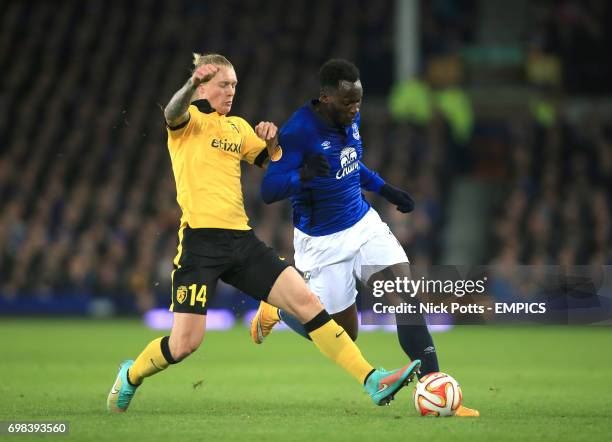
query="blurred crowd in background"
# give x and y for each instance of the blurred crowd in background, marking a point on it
(557, 206)
(87, 196)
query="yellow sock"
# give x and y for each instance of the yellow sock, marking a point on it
(152, 360)
(334, 342)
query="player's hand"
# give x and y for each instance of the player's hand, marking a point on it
(399, 197)
(266, 130)
(203, 74)
(314, 166)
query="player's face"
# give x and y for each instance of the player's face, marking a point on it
(220, 90)
(344, 103)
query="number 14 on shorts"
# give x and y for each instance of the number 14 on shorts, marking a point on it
(193, 293)
(201, 294)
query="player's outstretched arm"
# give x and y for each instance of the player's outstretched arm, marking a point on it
(291, 170)
(280, 181)
(371, 181)
(175, 112)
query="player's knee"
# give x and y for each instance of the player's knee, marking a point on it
(306, 304)
(182, 351)
(291, 294)
(182, 348)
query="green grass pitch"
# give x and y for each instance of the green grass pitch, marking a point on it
(530, 384)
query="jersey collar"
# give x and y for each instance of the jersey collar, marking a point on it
(203, 106)
(322, 122)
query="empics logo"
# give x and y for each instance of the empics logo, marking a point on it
(227, 146)
(348, 162)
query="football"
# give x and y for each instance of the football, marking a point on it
(437, 394)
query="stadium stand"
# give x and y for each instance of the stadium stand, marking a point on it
(87, 199)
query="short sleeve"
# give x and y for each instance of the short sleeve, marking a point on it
(252, 145)
(186, 128)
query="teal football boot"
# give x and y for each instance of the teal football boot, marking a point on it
(122, 392)
(382, 385)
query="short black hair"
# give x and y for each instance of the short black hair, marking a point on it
(336, 70)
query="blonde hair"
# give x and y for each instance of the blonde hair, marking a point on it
(216, 59)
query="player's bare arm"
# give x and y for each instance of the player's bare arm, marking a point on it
(175, 112)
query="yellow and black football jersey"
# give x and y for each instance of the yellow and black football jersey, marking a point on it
(206, 152)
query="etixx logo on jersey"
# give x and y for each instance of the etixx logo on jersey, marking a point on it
(226, 145)
(348, 162)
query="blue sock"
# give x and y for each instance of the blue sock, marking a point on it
(417, 343)
(293, 324)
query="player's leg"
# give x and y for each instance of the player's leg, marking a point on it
(347, 319)
(383, 258)
(291, 294)
(383, 249)
(334, 285)
(293, 323)
(264, 276)
(186, 336)
(415, 339)
(189, 294)
(311, 253)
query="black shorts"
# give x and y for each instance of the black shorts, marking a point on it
(237, 257)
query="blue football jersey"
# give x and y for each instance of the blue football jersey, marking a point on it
(323, 205)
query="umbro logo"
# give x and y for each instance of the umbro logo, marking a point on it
(429, 349)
